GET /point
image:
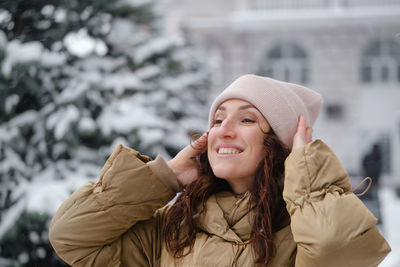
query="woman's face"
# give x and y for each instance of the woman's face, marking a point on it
(236, 143)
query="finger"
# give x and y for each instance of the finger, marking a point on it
(195, 148)
(301, 126)
(201, 142)
(309, 132)
(298, 141)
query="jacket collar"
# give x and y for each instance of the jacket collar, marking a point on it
(226, 215)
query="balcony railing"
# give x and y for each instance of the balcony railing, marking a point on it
(307, 4)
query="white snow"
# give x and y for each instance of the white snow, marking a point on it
(48, 58)
(62, 119)
(45, 194)
(23, 257)
(81, 44)
(135, 3)
(150, 136)
(10, 217)
(391, 222)
(17, 52)
(73, 91)
(41, 252)
(174, 103)
(125, 34)
(11, 101)
(181, 82)
(101, 64)
(124, 115)
(60, 15)
(34, 237)
(48, 10)
(5, 16)
(85, 14)
(122, 80)
(28, 117)
(87, 124)
(177, 139)
(152, 47)
(147, 72)
(12, 161)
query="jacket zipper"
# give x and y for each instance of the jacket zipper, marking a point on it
(236, 206)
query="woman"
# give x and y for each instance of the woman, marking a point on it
(255, 191)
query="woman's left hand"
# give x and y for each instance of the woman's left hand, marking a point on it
(303, 134)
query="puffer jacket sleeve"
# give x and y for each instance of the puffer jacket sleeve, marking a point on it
(113, 222)
(330, 225)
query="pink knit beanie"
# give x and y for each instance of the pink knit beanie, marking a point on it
(281, 103)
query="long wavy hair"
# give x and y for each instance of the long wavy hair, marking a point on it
(266, 199)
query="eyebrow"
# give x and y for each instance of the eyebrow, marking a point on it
(240, 108)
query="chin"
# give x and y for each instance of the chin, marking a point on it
(226, 173)
(222, 173)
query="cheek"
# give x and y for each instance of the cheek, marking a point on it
(210, 139)
(254, 137)
(258, 146)
(259, 154)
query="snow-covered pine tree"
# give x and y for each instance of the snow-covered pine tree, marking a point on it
(77, 77)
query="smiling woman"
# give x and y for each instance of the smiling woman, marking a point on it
(255, 191)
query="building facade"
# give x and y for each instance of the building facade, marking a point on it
(347, 50)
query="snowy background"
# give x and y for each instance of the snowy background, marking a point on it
(76, 79)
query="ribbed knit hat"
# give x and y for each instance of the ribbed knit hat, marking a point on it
(281, 103)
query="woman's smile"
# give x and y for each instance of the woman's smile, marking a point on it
(226, 150)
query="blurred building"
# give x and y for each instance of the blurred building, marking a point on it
(347, 50)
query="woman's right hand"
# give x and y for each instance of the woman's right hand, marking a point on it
(184, 165)
(303, 135)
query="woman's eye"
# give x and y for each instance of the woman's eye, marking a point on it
(217, 122)
(247, 120)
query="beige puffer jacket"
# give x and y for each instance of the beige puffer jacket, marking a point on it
(117, 221)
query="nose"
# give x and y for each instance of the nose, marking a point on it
(227, 129)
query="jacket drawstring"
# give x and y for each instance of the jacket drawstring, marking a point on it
(369, 179)
(238, 247)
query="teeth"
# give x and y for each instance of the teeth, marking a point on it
(226, 150)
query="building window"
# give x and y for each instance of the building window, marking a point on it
(381, 62)
(334, 111)
(287, 62)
